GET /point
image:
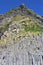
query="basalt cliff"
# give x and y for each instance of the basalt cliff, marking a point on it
(21, 37)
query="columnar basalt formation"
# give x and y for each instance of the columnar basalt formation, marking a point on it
(21, 37)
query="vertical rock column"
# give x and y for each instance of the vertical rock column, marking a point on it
(33, 61)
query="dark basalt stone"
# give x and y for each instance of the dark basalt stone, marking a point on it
(22, 6)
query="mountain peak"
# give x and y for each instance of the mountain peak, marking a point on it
(22, 6)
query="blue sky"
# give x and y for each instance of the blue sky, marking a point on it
(36, 5)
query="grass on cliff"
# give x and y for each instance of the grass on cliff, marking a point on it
(17, 18)
(31, 26)
(5, 26)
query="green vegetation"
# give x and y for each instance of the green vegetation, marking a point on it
(4, 27)
(17, 18)
(32, 27)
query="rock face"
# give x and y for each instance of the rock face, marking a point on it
(21, 37)
(27, 51)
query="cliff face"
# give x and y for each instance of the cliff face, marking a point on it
(21, 37)
(28, 51)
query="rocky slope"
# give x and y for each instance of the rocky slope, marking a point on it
(21, 37)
